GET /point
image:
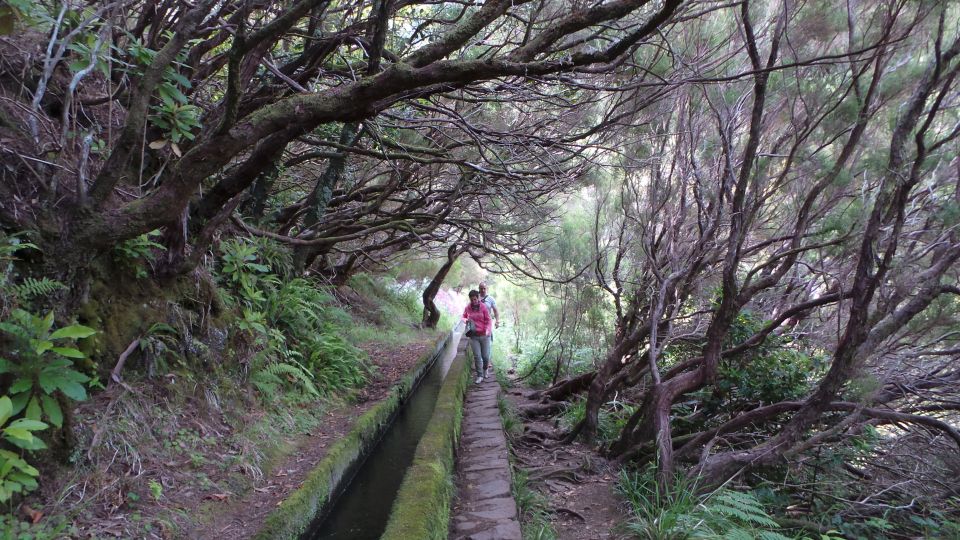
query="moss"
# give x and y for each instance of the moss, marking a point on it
(296, 512)
(422, 507)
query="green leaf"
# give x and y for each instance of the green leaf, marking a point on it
(17, 434)
(33, 409)
(6, 366)
(6, 409)
(27, 424)
(19, 402)
(74, 391)
(20, 385)
(47, 322)
(52, 409)
(75, 331)
(69, 352)
(73, 375)
(57, 364)
(33, 443)
(40, 346)
(50, 380)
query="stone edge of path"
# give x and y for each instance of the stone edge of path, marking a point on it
(484, 472)
(421, 509)
(295, 514)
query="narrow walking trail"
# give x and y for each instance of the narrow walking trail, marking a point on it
(484, 508)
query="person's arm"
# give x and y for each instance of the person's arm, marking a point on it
(496, 314)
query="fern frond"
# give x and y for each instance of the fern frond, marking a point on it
(32, 287)
(277, 373)
(771, 535)
(740, 506)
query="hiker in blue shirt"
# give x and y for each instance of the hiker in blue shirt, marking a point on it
(492, 308)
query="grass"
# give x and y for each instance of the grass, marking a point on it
(509, 417)
(679, 512)
(532, 507)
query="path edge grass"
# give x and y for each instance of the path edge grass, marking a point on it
(422, 507)
(533, 511)
(295, 514)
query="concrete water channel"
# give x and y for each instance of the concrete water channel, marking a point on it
(362, 509)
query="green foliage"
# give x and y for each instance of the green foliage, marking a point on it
(9, 246)
(139, 252)
(49, 528)
(677, 512)
(32, 288)
(41, 364)
(397, 308)
(294, 323)
(156, 490)
(173, 114)
(178, 120)
(511, 421)
(240, 267)
(278, 367)
(611, 420)
(16, 475)
(778, 370)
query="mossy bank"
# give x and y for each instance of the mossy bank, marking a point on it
(295, 514)
(422, 507)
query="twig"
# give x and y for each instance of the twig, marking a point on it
(115, 374)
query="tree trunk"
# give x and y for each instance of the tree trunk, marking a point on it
(431, 315)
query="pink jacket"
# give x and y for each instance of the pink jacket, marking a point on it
(480, 317)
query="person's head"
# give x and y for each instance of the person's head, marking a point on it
(474, 298)
(483, 289)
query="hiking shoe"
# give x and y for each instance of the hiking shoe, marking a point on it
(478, 381)
(489, 372)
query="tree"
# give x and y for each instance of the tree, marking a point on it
(386, 83)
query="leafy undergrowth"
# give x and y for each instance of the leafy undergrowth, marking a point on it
(678, 512)
(215, 395)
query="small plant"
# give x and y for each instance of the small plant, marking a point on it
(16, 475)
(41, 364)
(156, 490)
(240, 262)
(32, 287)
(9, 246)
(137, 251)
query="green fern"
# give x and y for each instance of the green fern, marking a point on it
(32, 288)
(678, 513)
(271, 377)
(740, 506)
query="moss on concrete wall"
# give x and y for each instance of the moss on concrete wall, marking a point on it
(422, 507)
(297, 512)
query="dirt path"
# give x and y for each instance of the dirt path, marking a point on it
(243, 517)
(484, 508)
(578, 484)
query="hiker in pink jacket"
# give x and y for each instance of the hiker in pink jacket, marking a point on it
(478, 314)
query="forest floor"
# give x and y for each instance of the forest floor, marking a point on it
(569, 486)
(194, 466)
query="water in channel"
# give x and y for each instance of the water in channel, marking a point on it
(362, 511)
